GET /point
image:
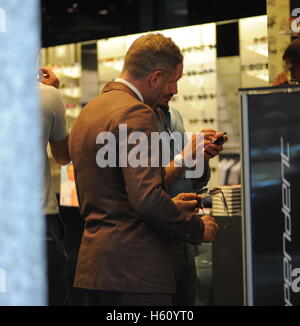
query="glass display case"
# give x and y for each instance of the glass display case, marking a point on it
(271, 183)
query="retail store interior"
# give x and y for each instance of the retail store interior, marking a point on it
(232, 52)
(224, 51)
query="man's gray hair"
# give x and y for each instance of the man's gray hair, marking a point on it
(151, 52)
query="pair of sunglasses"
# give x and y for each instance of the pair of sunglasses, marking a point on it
(206, 192)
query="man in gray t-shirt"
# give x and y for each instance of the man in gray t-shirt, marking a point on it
(54, 130)
(55, 133)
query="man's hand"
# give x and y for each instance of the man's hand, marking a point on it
(210, 228)
(48, 77)
(212, 150)
(196, 146)
(186, 201)
(281, 79)
(194, 149)
(209, 134)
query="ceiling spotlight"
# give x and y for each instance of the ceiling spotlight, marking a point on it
(103, 12)
(181, 12)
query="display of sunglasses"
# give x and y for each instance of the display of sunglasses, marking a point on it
(199, 97)
(188, 97)
(207, 192)
(255, 66)
(197, 73)
(260, 40)
(208, 120)
(198, 48)
(112, 59)
(273, 51)
(206, 96)
(193, 121)
(294, 81)
(271, 21)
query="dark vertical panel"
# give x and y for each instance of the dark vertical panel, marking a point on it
(146, 15)
(275, 187)
(228, 40)
(215, 10)
(89, 81)
(227, 263)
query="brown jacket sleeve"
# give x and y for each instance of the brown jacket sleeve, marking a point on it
(144, 184)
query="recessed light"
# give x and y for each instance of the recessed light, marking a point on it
(103, 12)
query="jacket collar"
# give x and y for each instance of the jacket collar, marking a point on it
(116, 86)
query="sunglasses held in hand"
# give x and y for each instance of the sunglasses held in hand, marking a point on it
(208, 192)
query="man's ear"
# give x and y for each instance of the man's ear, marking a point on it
(155, 78)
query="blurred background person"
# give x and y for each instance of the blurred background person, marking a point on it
(56, 135)
(291, 62)
(184, 253)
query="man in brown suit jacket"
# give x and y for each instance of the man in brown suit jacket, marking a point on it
(125, 255)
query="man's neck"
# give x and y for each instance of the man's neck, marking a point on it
(140, 85)
(132, 87)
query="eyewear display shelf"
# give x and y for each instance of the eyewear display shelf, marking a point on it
(271, 206)
(65, 61)
(254, 51)
(197, 98)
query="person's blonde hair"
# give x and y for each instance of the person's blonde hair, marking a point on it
(151, 52)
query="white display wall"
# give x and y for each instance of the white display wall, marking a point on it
(196, 99)
(65, 61)
(254, 51)
(250, 69)
(229, 81)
